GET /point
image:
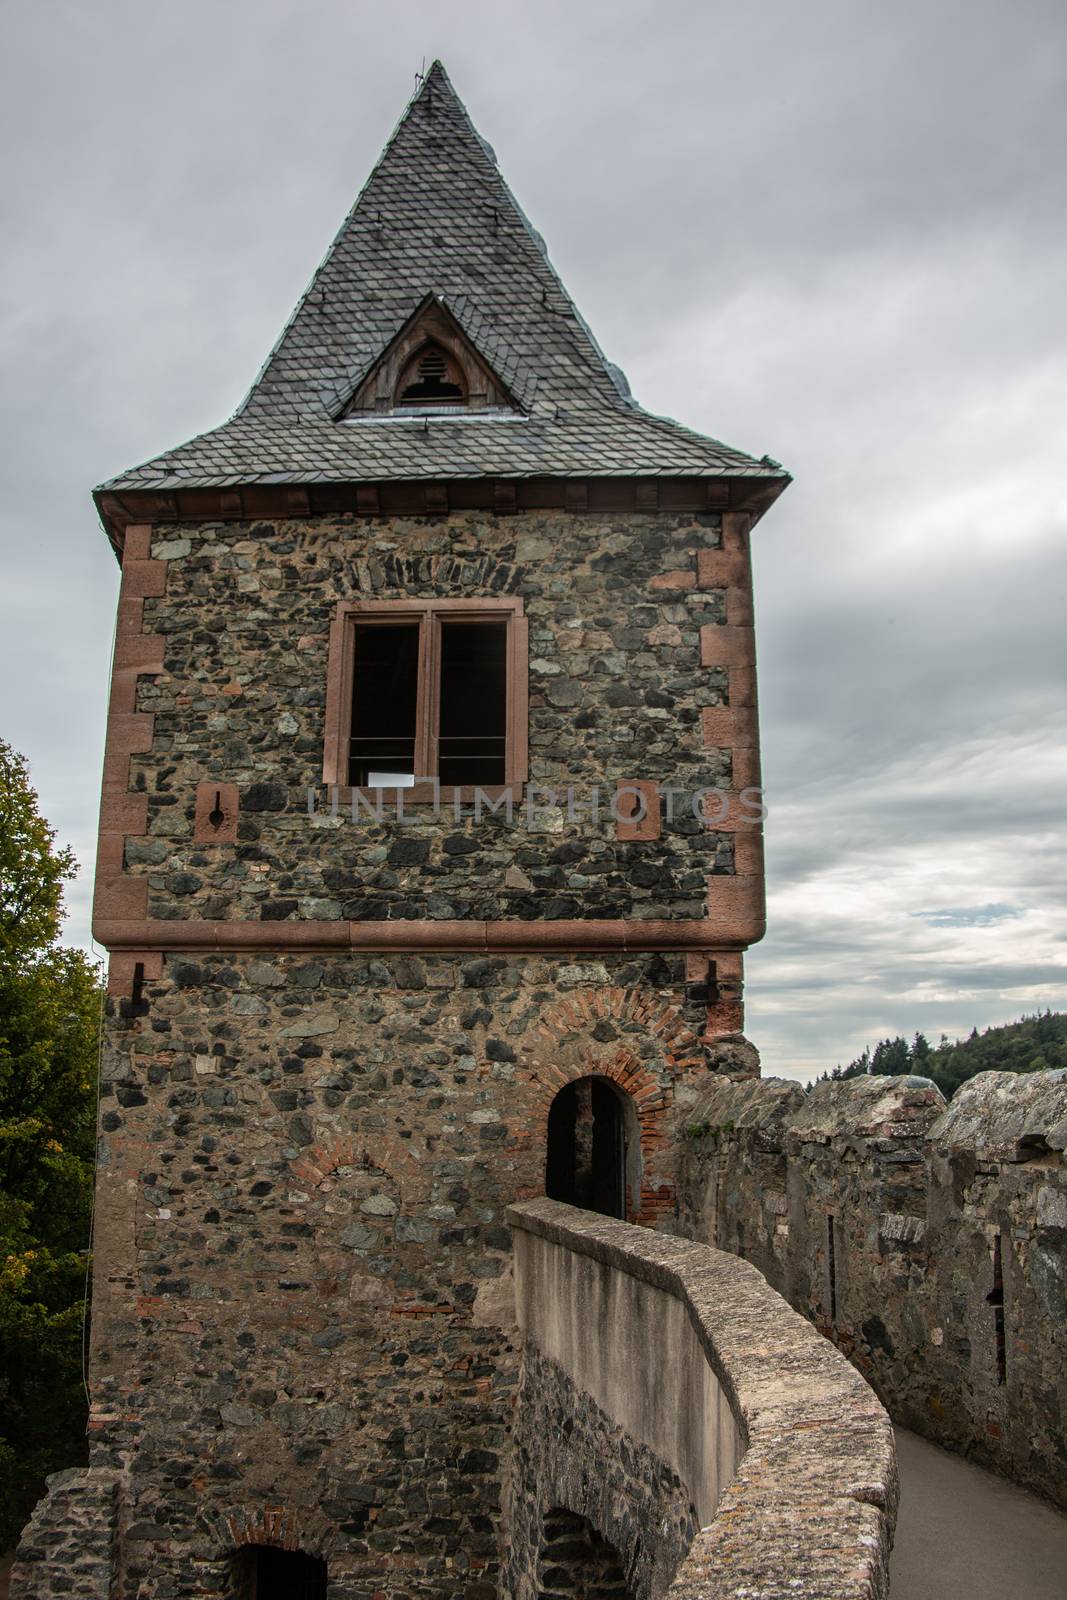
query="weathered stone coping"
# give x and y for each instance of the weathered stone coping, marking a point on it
(1006, 1116)
(994, 1116)
(810, 1511)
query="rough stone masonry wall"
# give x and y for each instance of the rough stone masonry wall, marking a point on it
(569, 1454)
(70, 1545)
(922, 1202)
(302, 1315)
(677, 1403)
(617, 693)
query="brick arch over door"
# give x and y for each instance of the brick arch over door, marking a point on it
(224, 1535)
(587, 1007)
(572, 1042)
(283, 1527)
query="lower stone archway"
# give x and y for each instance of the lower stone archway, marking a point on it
(575, 1562)
(265, 1572)
(266, 1552)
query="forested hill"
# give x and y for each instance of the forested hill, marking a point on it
(1034, 1044)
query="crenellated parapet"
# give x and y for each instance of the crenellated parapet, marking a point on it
(929, 1242)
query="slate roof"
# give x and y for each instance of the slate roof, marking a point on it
(436, 217)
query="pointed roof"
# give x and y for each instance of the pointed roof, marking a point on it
(436, 218)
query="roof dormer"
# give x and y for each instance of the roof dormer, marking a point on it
(430, 366)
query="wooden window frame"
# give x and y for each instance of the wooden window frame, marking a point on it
(427, 615)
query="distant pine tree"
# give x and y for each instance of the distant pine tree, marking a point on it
(1033, 1044)
(855, 1069)
(891, 1058)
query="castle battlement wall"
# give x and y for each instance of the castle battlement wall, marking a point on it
(928, 1241)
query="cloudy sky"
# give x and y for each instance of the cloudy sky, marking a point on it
(834, 232)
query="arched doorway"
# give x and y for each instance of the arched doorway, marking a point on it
(267, 1573)
(576, 1563)
(588, 1146)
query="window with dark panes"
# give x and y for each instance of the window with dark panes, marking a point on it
(472, 716)
(385, 688)
(427, 690)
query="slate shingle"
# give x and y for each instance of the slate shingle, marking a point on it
(435, 216)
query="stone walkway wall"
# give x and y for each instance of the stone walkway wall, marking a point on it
(676, 1402)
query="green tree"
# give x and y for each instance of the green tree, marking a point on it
(49, 1026)
(1033, 1044)
(891, 1058)
(920, 1054)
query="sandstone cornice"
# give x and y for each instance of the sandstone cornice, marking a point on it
(561, 937)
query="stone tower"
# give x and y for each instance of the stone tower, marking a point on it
(421, 661)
